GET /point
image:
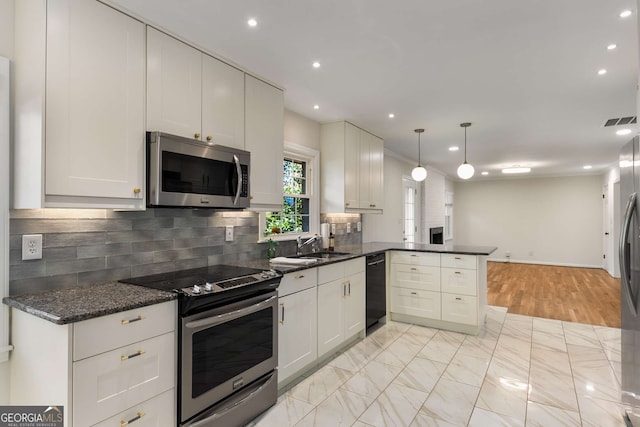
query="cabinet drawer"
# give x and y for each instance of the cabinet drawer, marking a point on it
(459, 261)
(415, 258)
(415, 277)
(416, 303)
(331, 272)
(156, 412)
(458, 281)
(354, 266)
(95, 336)
(111, 382)
(460, 309)
(298, 281)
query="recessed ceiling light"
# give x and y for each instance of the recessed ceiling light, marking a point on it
(485, 173)
(316, 107)
(516, 169)
(612, 46)
(587, 167)
(252, 22)
(602, 72)
(391, 115)
(316, 64)
(622, 132)
(625, 14)
(454, 148)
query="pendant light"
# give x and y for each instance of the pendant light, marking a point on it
(419, 173)
(465, 170)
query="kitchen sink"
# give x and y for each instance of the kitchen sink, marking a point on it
(322, 255)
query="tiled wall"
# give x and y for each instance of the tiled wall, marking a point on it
(99, 245)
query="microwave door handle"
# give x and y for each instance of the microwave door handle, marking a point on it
(624, 268)
(239, 172)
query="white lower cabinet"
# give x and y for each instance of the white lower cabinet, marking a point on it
(341, 304)
(297, 332)
(415, 302)
(105, 371)
(460, 309)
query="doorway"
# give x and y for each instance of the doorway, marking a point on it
(410, 204)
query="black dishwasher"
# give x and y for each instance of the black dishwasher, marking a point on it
(376, 289)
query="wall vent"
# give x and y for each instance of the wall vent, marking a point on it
(621, 121)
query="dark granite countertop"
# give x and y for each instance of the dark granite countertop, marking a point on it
(86, 302)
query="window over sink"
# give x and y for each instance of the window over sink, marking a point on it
(300, 213)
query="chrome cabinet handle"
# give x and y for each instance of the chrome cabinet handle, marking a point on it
(282, 314)
(135, 319)
(132, 420)
(301, 276)
(624, 268)
(349, 285)
(239, 172)
(131, 356)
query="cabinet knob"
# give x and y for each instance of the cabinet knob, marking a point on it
(346, 204)
(139, 415)
(136, 190)
(372, 206)
(196, 135)
(209, 137)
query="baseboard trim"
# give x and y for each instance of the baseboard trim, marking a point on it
(556, 264)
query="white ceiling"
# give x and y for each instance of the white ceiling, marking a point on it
(523, 72)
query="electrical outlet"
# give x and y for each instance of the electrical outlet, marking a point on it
(348, 227)
(359, 228)
(333, 228)
(32, 246)
(507, 254)
(228, 233)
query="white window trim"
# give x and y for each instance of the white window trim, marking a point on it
(312, 157)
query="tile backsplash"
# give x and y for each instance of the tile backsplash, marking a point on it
(100, 245)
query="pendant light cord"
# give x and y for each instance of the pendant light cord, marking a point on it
(419, 156)
(465, 145)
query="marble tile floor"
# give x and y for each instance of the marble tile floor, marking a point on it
(519, 371)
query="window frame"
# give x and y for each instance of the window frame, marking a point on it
(312, 158)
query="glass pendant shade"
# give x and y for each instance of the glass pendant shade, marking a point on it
(419, 173)
(465, 171)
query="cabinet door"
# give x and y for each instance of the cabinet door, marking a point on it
(297, 332)
(416, 277)
(222, 103)
(330, 315)
(174, 86)
(413, 302)
(376, 174)
(94, 101)
(354, 307)
(364, 170)
(157, 412)
(264, 138)
(459, 281)
(351, 166)
(460, 309)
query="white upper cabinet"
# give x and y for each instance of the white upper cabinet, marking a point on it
(92, 113)
(264, 138)
(174, 86)
(192, 94)
(222, 103)
(351, 165)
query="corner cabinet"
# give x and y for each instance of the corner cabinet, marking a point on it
(79, 115)
(446, 291)
(127, 374)
(192, 94)
(351, 164)
(264, 138)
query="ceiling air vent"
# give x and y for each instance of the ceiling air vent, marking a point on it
(621, 121)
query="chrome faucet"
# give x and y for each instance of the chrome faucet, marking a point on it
(314, 238)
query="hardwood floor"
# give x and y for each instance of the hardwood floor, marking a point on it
(583, 295)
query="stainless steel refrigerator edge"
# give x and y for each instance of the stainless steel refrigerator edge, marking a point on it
(630, 280)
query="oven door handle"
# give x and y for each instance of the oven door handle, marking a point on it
(222, 318)
(239, 172)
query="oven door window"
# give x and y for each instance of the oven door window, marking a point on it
(197, 175)
(226, 350)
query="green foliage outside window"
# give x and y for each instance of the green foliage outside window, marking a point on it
(294, 216)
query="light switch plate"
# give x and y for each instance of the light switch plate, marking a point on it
(228, 233)
(333, 228)
(31, 246)
(348, 227)
(359, 226)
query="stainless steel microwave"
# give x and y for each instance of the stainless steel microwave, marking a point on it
(190, 173)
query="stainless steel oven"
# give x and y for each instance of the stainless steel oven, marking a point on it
(187, 172)
(227, 342)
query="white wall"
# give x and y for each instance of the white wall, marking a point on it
(6, 50)
(433, 202)
(544, 220)
(611, 180)
(301, 130)
(387, 227)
